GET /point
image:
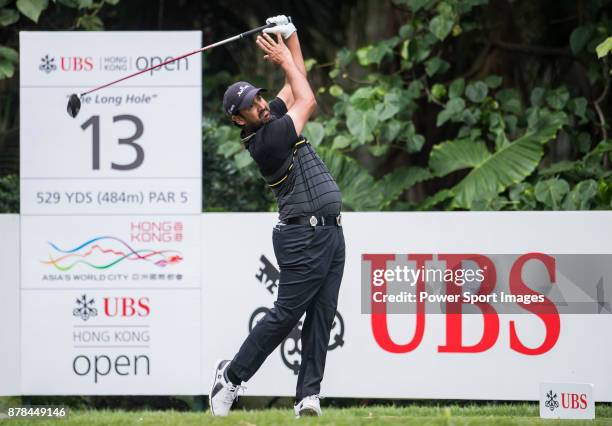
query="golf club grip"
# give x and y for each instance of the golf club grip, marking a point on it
(256, 30)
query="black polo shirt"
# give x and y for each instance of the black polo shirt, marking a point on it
(273, 142)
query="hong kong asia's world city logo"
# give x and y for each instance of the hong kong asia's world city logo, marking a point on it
(106, 252)
(290, 348)
(47, 64)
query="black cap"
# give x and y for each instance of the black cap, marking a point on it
(238, 96)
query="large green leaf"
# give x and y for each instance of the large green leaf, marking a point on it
(441, 26)
(8, 53)
(314, 132)
(597, 153)
(6, 69)
(361, 124)
(579, 38)
(90, 23)
(360, 191)
(341, 141)
(430, 202)
(604, 47)
(373, 54)
(395, 183)
(358, 187)
(558, 98)
(8, 17)
(477, 92)
(32, 8)
(391, 130)
(243, 159)
(550, 192)
(581, 196)
(388, 107)
(493, 173)
(454, 108)
(455, 155)
(456, 88)
(493, 81)
(435, 65)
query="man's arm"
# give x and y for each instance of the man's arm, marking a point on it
(293, 44)
(289, 33)
(304, 102)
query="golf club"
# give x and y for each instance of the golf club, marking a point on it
(74, 102)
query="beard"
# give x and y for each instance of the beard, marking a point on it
(263, 119)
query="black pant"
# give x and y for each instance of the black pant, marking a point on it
(311, 261)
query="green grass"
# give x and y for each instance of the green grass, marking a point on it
(497, 414)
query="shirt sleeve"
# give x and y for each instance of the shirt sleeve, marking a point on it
(278, 107)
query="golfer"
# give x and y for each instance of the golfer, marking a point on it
(308, 240)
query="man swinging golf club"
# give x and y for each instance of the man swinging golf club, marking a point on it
(308, 240)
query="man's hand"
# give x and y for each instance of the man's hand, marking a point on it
(283, 26)
(275, 51)
(278, 20)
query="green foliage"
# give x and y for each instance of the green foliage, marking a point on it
(499, 135)
(232, 182)
(492, 173)
(604, 48)
(359, 189)
(582, 196)
(414, 121)
(8, 59)
(8, 17)
(32, 8)
(90, 23)
(579, 38)
(550, 192)
(9, 194)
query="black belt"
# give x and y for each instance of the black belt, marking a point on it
(315, 220)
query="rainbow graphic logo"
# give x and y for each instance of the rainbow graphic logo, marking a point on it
(106, 252)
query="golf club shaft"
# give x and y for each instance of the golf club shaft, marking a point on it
(202, 49)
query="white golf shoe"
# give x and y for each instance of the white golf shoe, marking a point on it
(223, 393)
(308, 406)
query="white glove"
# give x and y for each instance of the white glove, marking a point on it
(278, 20)
(283, 26)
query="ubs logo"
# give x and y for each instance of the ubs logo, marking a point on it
(551, 401)
(290, 348)
(120, 307)
(47, 64)
(85, 308)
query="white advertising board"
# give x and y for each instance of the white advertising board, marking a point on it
(110, 341)
(239, 282)
(110, 204)
(10, 381)
(134, 147)
(178, 334)
(567, 401)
